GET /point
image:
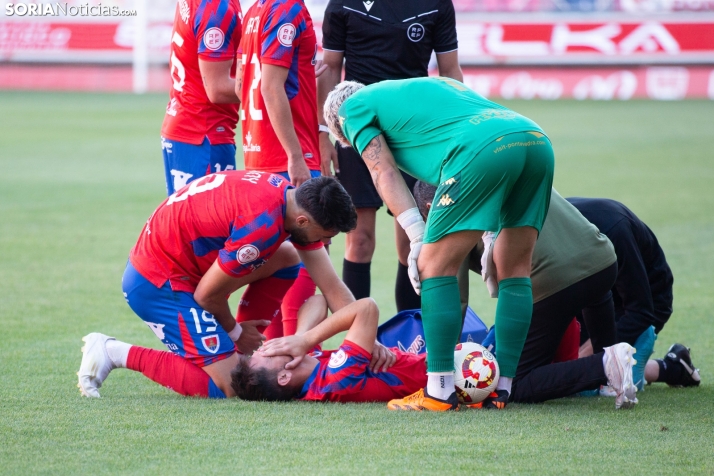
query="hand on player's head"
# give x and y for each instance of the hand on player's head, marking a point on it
(294, 348)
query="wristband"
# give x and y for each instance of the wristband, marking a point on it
(236, 332)
(412, 223)
(323, 128)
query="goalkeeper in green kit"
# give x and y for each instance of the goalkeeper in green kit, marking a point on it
(494, 171)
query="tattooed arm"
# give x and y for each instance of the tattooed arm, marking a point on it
(386, 176)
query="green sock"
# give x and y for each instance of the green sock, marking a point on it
(441, 316)
(513, 318)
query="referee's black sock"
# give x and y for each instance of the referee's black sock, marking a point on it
(404, 294)
(669, 372)
(357, 278)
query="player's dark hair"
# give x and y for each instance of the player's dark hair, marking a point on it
(259, 384)
(423, 195)
(328, 203)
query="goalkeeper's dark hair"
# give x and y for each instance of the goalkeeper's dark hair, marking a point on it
(259, 384)
(328, 204)
(423, 195)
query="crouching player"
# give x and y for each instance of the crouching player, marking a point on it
(281, 370)
(212, 237)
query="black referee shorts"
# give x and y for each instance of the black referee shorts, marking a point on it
(356, 179)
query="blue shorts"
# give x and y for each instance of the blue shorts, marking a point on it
(184, 163)
(177, 320)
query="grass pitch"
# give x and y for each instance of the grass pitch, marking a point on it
(80, 175)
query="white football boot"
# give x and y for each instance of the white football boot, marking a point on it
(618, 364)
(96, 364)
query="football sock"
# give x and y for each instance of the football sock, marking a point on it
(118, 352)
(569, 344)
(357, 278)
(441, 316)
(504, 383)
(262, 299)
(404, 294)
(299, 292)
(669, 373)
(513, 318)
(440, 384)
(173, 372)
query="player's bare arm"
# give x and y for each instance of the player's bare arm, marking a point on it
(320, 267)
(359, 318)
(313, 312)
(386, 176)
(238, 86)
(214, 288)
(217, 81)
(326, 82)
(449, 67)
(272, 88)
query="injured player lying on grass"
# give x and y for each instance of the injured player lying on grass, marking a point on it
(283, 370)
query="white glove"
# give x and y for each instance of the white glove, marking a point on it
(413, 225)
(488, 267)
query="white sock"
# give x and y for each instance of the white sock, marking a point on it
(504, 383)
(118, 352)
(440, 384)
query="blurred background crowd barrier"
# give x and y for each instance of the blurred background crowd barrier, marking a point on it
(546, 49)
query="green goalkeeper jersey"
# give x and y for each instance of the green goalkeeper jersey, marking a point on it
(427, 122)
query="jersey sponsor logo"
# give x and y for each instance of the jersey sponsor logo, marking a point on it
(253, 176)
(184, 11)
(491, 114)
(275, 180)
(213, 38)
(247, 146)
(247, 253)
(211, 343)
(252, 25)
(415, 32)
(171, 108)
(337, 359)
(368, 4)
(286, 34)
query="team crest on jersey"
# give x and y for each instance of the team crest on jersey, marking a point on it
(213, 38)
(415, 32)
(286, 34)
(337, 359)
(210, 343)
(247, 254)
(275, 180)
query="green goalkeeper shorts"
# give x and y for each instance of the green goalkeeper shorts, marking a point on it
(505, 185)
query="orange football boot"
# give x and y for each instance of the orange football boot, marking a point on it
(420, 401)
(495, 401)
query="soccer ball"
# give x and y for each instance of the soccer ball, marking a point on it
(476, 372)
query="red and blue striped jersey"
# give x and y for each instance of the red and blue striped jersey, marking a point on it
(344, 376)
(279, 33)
(209, 30)
(234, 217)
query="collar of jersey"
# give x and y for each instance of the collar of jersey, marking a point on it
(309, 381)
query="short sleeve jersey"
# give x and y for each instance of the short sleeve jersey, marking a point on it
(209, 30)
(344, 376)
(427, 122)
(279, 33)
(234, 217)
(388, 39)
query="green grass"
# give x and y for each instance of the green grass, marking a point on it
(80, 175)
